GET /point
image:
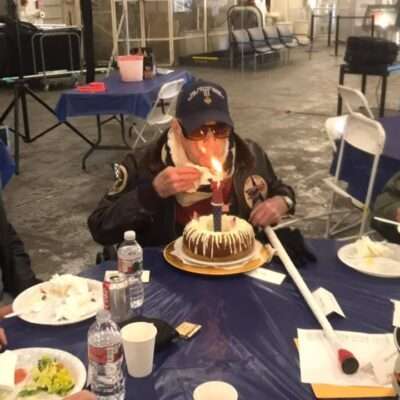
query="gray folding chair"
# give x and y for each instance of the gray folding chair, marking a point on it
(273, 39)
(246, 47)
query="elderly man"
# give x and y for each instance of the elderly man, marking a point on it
(161, 186)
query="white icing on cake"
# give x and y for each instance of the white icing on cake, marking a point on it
(236, 236)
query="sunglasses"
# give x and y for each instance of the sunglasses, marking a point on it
(219, 131)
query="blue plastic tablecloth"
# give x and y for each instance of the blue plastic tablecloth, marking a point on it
(358, 164)
(7, 165)
(248, 326)
(135, 98)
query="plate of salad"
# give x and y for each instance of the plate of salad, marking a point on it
(45, 374)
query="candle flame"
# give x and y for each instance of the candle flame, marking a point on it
(217, 166)
(203, 149)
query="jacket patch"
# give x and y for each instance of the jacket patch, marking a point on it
(255, 189)
(121, 179)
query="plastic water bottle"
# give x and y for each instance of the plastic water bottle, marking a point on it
(130, 262)
(105, 354)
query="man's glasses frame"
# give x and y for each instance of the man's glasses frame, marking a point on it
(218, 130)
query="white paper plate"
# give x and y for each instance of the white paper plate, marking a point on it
(28, 358)
(227, 264)
(383, 267)
(24, 304)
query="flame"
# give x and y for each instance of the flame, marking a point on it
(203, 149)
(217, 166)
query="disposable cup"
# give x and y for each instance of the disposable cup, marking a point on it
(215, 390)
(138, 339)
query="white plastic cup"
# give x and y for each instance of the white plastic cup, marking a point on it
(215, 390)
(131, 68)
(138, 340)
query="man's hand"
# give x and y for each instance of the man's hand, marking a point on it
(5, 310)
(3, 338)
(269, 212)
(173, 180)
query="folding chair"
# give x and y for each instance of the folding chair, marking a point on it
(367, 136)
(259, 41)
(273, 39)
(354, 101)
(245, 47)
(161, 112)
(288, 35)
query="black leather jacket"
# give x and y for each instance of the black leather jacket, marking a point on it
(139, 207)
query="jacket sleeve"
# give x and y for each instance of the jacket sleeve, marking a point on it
(386, 206)
(22, 275)
(17, 274)
(389, 200)
(130, 204)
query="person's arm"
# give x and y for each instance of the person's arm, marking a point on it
(3, 338)
(130, 204)
(135, 199)
(23, 276)
(5, 310)
(281, 197)
(388, 202)
(15, 263)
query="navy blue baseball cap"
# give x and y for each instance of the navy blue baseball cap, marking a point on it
(200, 102)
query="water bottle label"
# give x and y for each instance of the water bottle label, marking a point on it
(105, 355)
(125, 265)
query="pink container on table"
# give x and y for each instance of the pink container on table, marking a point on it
(131, 68)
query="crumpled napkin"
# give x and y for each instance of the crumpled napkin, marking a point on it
(8, 361)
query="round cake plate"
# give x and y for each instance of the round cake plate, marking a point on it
(263, 257)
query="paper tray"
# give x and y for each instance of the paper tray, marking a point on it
(322, 391)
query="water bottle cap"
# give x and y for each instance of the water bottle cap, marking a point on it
(130, 235)
(103, 316)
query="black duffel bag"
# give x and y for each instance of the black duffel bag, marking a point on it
(370, 52)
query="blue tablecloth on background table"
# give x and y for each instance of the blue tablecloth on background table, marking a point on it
(248, 326)
(7, 165)
(357, 163)
(135, 98)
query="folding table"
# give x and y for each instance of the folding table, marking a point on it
(248, 326)
(120, 98)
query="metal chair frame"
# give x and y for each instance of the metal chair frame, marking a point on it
(161, 112)
(366, 135)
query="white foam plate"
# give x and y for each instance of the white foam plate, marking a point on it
(383, 267)
(227, 264)
(28, 358)
(30, 307)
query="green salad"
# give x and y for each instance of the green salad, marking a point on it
(48, 376)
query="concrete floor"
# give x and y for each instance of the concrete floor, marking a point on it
(283, 108)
